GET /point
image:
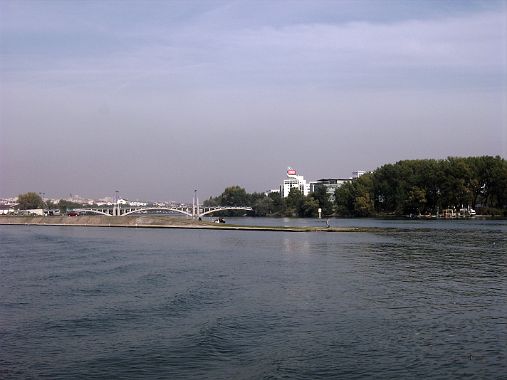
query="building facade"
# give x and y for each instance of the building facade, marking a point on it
(294, 181)
(330, 184)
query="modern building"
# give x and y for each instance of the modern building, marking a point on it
(330, 184)
(294, 181)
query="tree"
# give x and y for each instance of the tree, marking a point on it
(294, 201)
(416, 201)
(279, 204)
(64, 205)
(322, 197)
(50, 204)
(344, 199)
(234, 196)
(30, 200)
(308, 207)
(406, 187)
(363, 205)
(263, 206)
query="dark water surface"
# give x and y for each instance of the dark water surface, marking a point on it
(428, 302)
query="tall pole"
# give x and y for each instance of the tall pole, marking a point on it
(197, 201)
(116, 207)
(194, 203)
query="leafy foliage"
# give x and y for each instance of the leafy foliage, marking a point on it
(64, 205)
(30, 200)
(406, 187)
(296, 204)
(427, 186)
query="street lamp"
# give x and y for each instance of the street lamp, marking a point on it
(116, 207)
(196, 206)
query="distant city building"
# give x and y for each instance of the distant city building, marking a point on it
(9, 201)
(294, 181)
(125, 202)
(78, 199)
(138, 204)
(330, 184)
(6, 209)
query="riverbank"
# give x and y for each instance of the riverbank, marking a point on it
(147, 221)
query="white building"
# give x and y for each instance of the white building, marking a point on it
(294, 181)
(138, 204)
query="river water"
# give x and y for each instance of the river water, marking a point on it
(426, 301)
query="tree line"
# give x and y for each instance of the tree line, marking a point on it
(296, 204)
(415, 187)
(32, 200)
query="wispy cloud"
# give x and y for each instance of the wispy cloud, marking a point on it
(463, 47)
(247, 79)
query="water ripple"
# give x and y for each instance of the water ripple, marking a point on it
(100, 303)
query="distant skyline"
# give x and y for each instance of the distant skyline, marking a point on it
(158, 98)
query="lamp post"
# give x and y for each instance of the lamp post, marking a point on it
(195, 204)
(116, 207)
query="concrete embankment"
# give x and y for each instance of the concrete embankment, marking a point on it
(147, 221)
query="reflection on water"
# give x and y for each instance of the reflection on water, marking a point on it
(429, 298)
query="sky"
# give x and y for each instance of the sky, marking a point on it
(158, 98)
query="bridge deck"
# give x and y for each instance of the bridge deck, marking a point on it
(185, 210)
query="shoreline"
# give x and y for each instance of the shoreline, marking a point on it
(158, 222)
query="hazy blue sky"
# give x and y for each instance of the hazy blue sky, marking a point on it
(156, 98)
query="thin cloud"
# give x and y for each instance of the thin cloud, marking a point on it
(201, 94)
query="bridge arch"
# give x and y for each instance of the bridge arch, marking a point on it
(80, 210)
(157, 208)
(225, 209)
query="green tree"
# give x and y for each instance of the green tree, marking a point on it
(263, 206)
(322, 197)
(408, 186)
(64, 205)
(416, 201)
(308, 207)
(30, 200)
(234, 196)
(344, 199)
(50, 204)
(356, 198)
(294, 201)
(279, 204)
(363, 205)
(364, 198)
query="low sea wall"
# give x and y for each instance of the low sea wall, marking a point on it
(147, 221)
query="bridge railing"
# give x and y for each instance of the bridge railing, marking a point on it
(185, 210)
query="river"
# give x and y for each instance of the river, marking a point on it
(428, 299)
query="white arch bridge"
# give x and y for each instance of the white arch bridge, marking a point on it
(194, 212)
